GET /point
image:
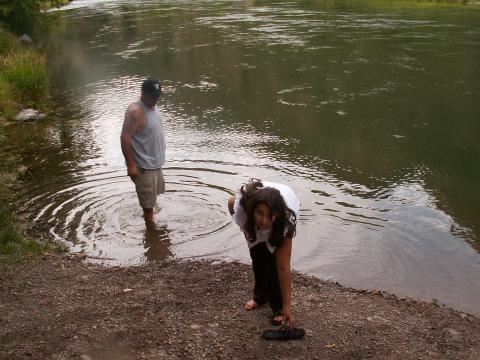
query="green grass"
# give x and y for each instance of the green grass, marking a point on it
(15, 246)
(23, 77)
(26, 74)
(23, 82)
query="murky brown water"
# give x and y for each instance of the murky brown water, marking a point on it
(370, 113)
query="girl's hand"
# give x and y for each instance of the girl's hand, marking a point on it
(287, 313)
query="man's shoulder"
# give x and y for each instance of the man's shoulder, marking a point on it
(134, 106)
(134, 109)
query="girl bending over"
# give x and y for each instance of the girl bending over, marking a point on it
(267, 214)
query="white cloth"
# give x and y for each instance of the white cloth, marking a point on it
(240, 217)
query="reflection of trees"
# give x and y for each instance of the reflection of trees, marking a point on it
(53, 149)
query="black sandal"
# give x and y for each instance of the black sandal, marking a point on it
(284, 333)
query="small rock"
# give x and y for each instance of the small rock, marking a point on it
(85, 357)
(21, 169)
(454, 334)
(194, 326)
(25, 39)
(29, 115)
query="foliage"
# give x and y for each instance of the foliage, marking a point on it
(27, 16)
(7, 103)
(14, 246)
(26, 73)
(23, 77)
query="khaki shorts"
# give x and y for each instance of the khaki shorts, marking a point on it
(149, 184)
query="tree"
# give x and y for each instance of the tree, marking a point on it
(27, 16)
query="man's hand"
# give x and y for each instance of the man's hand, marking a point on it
(132, 172)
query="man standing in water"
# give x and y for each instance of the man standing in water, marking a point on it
(143, 146)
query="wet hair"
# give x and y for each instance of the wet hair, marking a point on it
(253, 194)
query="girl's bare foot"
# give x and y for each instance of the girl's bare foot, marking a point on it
(250, 305)
(278, 320)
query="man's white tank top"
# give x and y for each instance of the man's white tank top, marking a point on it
(149, 144)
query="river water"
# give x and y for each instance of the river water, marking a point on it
(368, 110)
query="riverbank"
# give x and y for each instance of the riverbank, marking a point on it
(14, 244)
(59, 307)
(23, 83)
(23, 77)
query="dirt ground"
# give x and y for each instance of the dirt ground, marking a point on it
(59, 307)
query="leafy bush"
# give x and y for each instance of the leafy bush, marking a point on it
(27, 16)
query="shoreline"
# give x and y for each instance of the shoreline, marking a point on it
(60, 307)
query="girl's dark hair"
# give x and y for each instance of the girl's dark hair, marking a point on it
(284, 226)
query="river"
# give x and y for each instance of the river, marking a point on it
(368, 110)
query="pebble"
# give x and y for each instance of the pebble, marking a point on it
(455, 334)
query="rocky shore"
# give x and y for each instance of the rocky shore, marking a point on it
(59, 307)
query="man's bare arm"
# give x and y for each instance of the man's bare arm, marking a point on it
(132, 123)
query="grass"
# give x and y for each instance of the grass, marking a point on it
(23, 77)
(23, 82)
(14, 244)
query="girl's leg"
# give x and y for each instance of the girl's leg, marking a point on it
(260, 254)
(274, 293)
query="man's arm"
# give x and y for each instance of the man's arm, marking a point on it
(132, 123)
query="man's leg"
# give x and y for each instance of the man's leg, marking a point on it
(148, 215)
(146, 186)
(156, 187)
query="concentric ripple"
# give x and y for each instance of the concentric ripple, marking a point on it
(101, 217)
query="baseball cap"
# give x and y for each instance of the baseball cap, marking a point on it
(152, 87)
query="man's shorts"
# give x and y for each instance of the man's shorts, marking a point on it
(149, 184)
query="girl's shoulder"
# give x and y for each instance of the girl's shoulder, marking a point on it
(287, 193)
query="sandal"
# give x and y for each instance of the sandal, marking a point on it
(284, 333)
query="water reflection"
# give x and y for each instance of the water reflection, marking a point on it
(156, 242)
(356, 107)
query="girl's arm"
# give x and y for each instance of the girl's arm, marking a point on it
(231, 202)
(283, 268)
